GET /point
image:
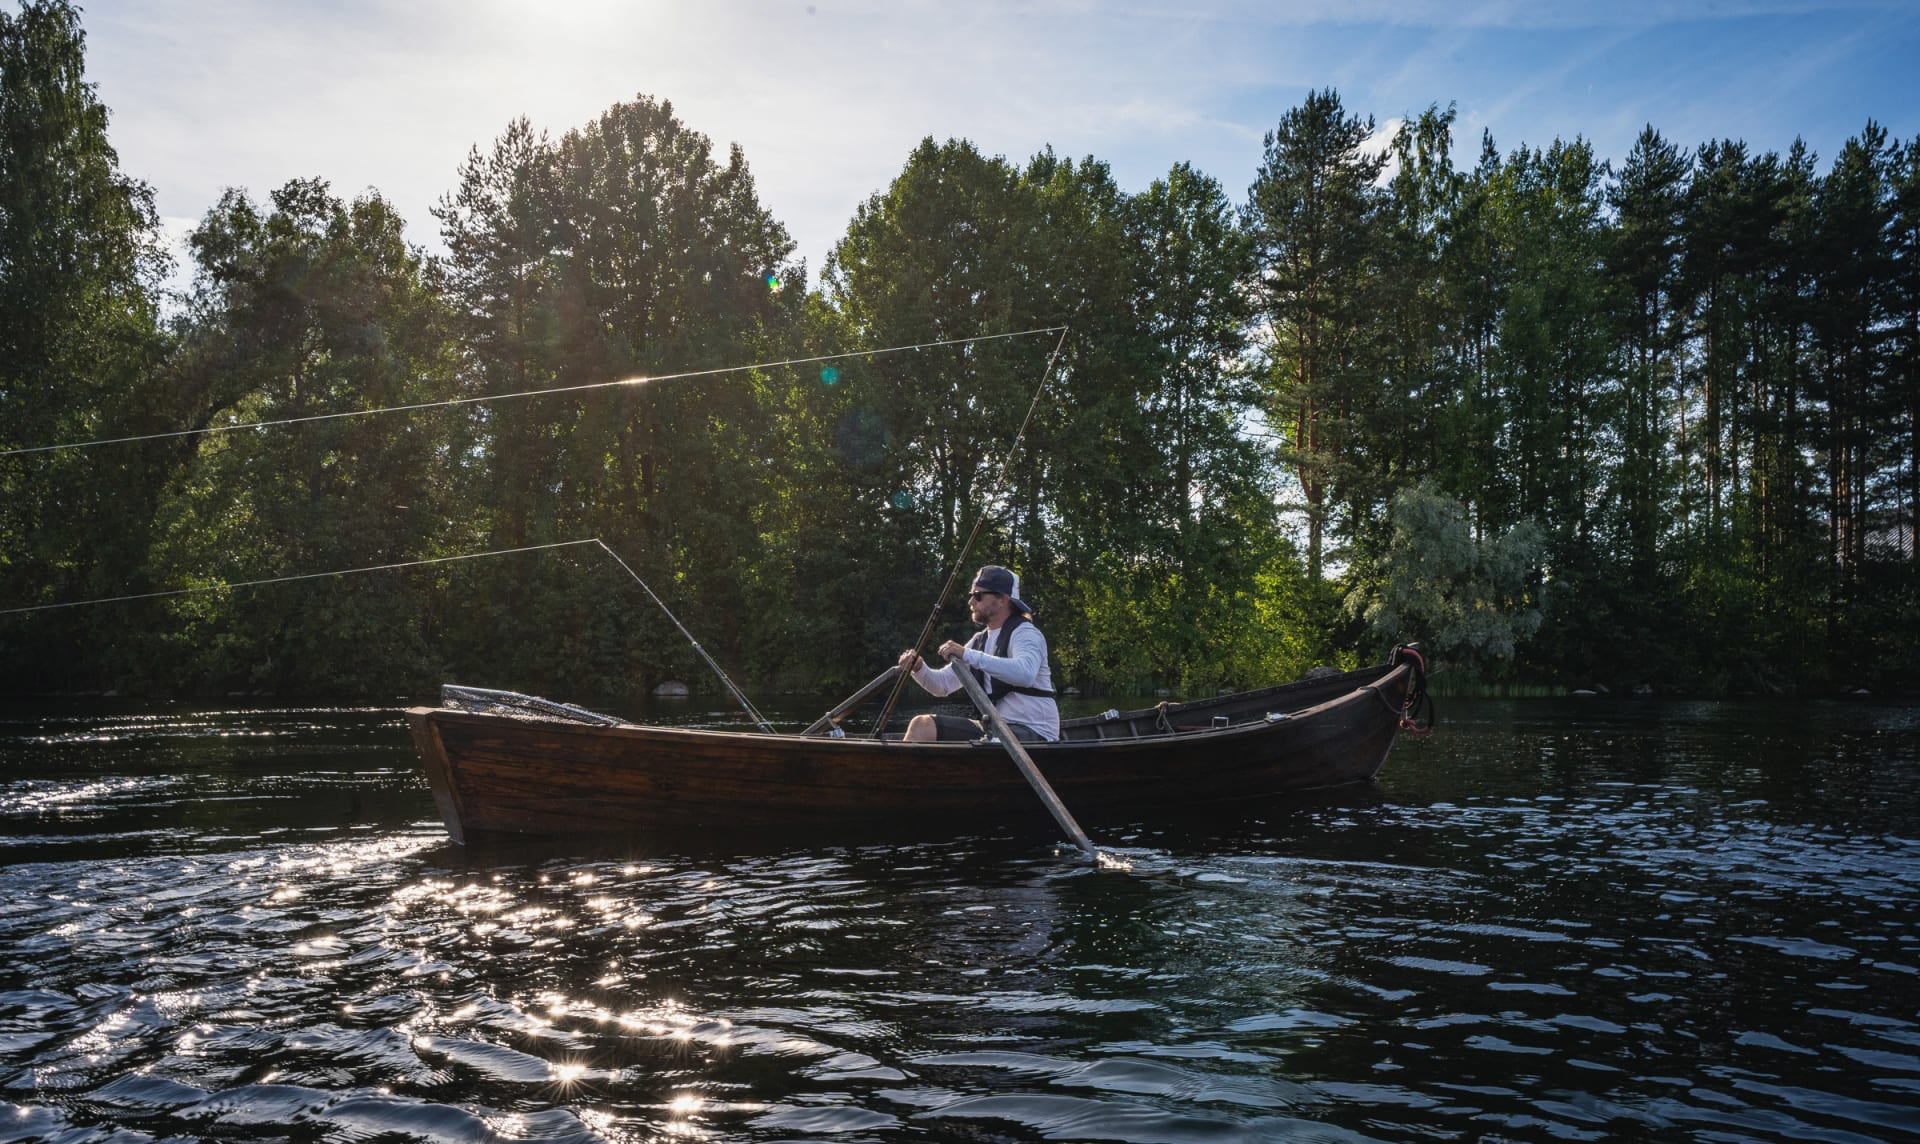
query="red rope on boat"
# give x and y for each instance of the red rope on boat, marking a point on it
(1416, 692)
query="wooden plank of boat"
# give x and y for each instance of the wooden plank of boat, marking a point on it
(496, 774)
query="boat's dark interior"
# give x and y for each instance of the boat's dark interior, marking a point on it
(1220, 712)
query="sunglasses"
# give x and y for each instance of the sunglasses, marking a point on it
(978, 595)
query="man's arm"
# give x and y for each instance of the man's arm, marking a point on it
(1026, 655)
(937, 681)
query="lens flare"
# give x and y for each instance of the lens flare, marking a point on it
(902, 500)
(774, 283)
(830, 374)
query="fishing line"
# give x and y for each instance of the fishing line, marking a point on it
(960, 558)
(601, 544)
(737, 694)
(289, 579)
(416, 406)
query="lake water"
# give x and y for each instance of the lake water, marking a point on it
(1550, 920)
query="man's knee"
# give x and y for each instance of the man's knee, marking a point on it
(922, 729)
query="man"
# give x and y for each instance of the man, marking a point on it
(1008, 653)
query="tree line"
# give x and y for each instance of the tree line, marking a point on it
(1564, 422)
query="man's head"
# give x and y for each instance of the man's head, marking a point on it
(995, 596)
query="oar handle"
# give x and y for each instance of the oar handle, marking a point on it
(1023, 760)
(832, 718)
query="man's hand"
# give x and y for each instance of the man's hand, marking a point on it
(909, 662)
(951, 651)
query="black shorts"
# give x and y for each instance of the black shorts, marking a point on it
(959, 729)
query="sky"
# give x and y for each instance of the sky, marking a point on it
(827, 97)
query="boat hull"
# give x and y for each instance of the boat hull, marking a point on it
(495, 775)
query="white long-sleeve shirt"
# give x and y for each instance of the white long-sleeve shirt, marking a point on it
(1024, 665)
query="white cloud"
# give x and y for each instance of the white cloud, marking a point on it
(826, 102)
(828, 96)
(1381, 143)
(175, 230)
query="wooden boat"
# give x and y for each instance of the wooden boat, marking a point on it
(571, 772)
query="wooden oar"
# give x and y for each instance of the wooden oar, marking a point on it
(833, 717)
(1023, 760)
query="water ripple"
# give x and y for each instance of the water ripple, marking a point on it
(1549, 928)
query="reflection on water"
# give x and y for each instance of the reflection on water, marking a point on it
(1549, 922)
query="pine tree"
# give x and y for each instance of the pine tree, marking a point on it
(1313, 211)
(1647, 197)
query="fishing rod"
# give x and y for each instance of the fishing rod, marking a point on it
(728, 683)
(966, 547)
(486, 398)
(711, 662)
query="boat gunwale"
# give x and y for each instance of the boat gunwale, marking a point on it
(1378, 675)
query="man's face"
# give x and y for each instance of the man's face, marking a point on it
(988, 608)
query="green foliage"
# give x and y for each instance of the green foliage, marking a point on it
(1683, 394)
(80, 348)
(1470, 602)
(1314, 213)
(943, 254)
(315, 307)
(1139, 510)
(625, 249)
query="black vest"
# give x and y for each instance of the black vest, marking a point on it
(995, 688)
